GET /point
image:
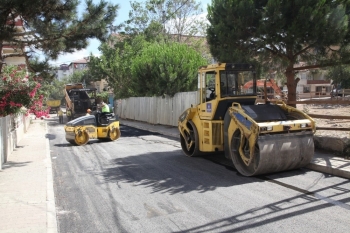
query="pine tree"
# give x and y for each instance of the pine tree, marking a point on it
(280, 33)
(52, 26)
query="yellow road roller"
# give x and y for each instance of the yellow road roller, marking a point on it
(102, 126)
(258, 138)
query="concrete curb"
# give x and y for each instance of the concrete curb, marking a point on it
(331, 165)
(51, 207)
(329, 170)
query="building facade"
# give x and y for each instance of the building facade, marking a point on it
(64, 70)
(9, 50)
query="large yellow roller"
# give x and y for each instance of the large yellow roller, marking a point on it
(259, 139)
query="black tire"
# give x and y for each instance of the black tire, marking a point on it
(193, 136)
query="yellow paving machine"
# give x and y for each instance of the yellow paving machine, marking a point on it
(258, 138)
(102, 126)
(79, 99)
(54, 105)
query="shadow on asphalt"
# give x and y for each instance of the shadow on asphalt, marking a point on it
(92, 141)
(167, 171)
(63, 145)
(54, 123)
(50, 136)
(171, 172)
(128, 131)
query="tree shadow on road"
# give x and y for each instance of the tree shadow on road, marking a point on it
(171, 172)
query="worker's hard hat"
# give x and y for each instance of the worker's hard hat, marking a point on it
(89, 110)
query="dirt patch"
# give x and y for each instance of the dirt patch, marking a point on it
(330, 110)
(335, 139)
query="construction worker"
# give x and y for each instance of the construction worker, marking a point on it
(104, 107)
(60, 116)
(69, 114)
(88, 112)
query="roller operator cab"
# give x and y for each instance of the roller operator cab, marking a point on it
(259, 139)
(98, 126)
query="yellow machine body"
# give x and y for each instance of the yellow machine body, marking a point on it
(259, 139)
(54, 105)
(82, 129)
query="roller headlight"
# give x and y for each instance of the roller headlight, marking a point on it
(183, 116)
(266, 128)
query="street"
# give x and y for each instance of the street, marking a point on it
(143, 183)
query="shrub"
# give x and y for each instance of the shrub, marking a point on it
(18, 92)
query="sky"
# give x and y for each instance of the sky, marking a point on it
(123, 14)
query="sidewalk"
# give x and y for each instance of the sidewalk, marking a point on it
(323, 161)
(27, 201)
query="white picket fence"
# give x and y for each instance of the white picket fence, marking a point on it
(155, 110)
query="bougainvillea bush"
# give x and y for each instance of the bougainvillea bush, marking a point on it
(38, 109)
(18, 92)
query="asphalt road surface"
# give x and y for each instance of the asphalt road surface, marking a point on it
(143, 183)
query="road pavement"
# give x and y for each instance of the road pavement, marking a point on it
(27, 202)
(323, 161)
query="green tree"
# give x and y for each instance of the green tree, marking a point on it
(45, 74)
(165, 69)
(52, 26)
(146, 25)
(103, 96)
(115, 62)
(80, 76)
(184, 19)
(340, 75)
(54, 89)
(42, 69)
(280, 33)
(172, 17)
